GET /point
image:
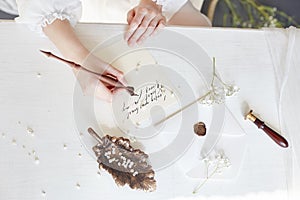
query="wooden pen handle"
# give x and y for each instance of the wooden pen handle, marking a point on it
(112, 81)
(271, 133)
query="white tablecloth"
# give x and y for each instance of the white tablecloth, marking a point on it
(38, 94)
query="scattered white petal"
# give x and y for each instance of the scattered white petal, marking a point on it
(78, 186)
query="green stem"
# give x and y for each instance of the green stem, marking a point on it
(199, 186)
(235, 17)
(225, 19)
(214, 72)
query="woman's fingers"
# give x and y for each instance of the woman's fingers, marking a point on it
(113, 71)
(159, 27)
(117, 74)
(144, 20)
(144, 26)
(130, 16)
(153, 26)
(102, 92)
(90, 83)
(135, 22)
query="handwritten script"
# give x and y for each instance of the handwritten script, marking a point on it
(148, 96)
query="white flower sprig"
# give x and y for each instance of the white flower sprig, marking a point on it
(218, 89)
(214, 165)
(216, 94)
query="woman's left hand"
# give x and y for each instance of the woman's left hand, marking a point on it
(144, 20)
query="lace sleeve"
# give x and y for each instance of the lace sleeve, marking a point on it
(39, 13)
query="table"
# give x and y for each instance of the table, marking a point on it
(41, 156)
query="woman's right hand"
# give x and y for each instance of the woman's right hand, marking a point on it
(90, 83)
(61, 33)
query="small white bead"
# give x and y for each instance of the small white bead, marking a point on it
(135, 173)
(172, 94)
(30, 131)
(14, 141)
(37, 160)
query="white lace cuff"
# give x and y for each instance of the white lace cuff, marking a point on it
(49, 19)
(39, 14)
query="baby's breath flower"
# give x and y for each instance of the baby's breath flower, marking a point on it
(215, 165)
(231, 90)
(218, 91)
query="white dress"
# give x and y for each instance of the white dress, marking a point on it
(39, 13)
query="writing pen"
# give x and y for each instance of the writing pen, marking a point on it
(110, 80)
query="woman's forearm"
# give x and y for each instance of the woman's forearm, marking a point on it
(62, 34)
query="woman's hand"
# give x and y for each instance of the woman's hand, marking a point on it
(144, 20)
(90, 83)
(63, 36)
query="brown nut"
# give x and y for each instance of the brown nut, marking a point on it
(200, 129)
